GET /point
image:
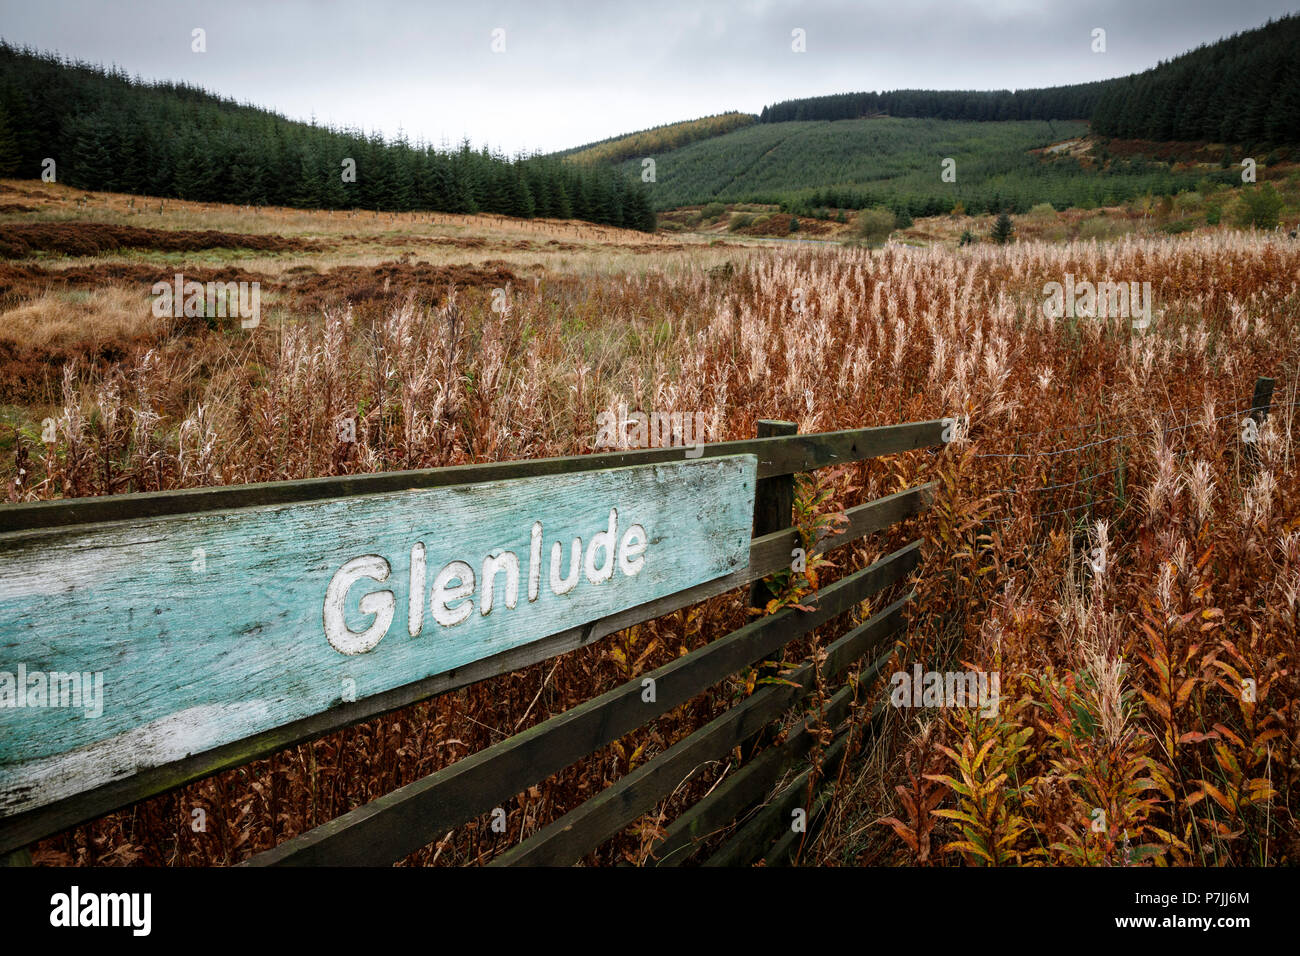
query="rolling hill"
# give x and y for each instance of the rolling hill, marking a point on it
(854, 164)
(658, 138)
(855, 150)
(104, 130)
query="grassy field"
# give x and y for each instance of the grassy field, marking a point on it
(1101, 538)
(65, 298)
(1273, 202)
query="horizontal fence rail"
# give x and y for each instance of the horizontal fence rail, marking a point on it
(782, 455)
(398, 823)
(576, 833)
(394, 825)
(767, 554)
(774, 817)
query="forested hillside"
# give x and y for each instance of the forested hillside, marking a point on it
(107, 131)
(1052, 103)
(855, 150)
(1245, 89)
(855, 164)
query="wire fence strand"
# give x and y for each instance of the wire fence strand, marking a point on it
(1055, 453)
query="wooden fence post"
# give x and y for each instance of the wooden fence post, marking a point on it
(773, 501)
(773, 510)
(1262, 401)
(1260, 405)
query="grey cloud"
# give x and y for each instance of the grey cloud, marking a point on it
(580, 71)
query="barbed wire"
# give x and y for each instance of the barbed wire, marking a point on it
(1049, 514)
(1068, 484)
(1095, 444)
(1103, 421)
(1100, 474)
(1282, 387)
(1114, 438)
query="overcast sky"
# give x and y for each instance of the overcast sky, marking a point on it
(574, 72)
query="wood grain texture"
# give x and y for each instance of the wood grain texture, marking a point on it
(767, 554)
(1261, 402)
(568, 839)
(202, 648)
(780, 455)
(773, 500)
(715, 812)
(772, 821)
(784, 847)
(398, 823)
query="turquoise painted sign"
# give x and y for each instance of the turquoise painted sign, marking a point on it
(126, 646)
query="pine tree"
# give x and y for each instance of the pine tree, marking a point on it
(108, 131)
(9, 155)
(402, 196)
(379, 182)
(134, 175)
(90, 163)
(563, 206)
(307, 181)
(333, 190)
(1002, 229)
(600, 199)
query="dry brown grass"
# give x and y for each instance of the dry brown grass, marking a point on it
(55, 202)
(93, 318)
(1203, 560)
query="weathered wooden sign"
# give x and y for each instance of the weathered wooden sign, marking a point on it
(128, 646)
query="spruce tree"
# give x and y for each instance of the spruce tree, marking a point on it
(308, 180)
(9, 155)
(107, 131)
(1002, 229)
(563, 206)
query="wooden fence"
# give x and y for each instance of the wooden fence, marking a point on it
(226, 618)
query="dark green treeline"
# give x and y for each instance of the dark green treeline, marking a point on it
(1242, 89)
(107, 131)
